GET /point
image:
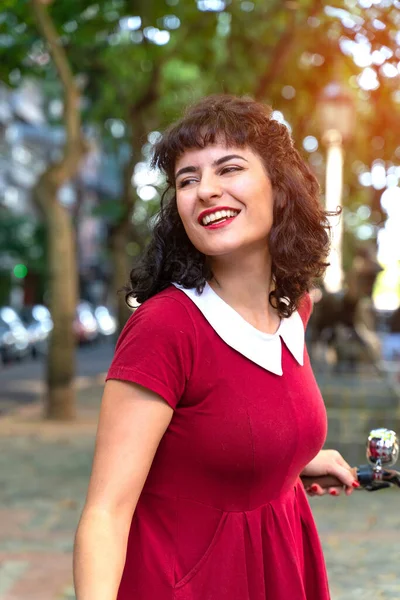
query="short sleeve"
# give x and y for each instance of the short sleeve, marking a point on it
(155, 348)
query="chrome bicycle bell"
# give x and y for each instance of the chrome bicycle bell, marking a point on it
(382, 448)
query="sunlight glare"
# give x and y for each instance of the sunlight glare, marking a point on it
(368, 79)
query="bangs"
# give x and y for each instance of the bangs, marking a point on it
(199, 131)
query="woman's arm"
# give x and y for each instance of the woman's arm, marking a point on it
(131, 425)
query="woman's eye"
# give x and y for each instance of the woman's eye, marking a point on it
(230, 170)
(185, 182)
(225, 170)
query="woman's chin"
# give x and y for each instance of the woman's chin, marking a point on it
(220, 250)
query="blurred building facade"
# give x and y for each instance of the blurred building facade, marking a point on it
(28, 144)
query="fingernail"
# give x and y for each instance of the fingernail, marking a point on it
(355, 484)
(314, 488)
(334, 493)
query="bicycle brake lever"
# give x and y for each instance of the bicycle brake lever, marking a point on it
(391, 476)
(377, 486)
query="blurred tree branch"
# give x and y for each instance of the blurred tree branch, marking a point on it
(75, 145)
(284, 47)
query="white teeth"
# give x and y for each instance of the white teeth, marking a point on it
(219, 214)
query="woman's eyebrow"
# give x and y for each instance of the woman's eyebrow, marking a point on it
(190, 169)
(216, 163)
(223, 159)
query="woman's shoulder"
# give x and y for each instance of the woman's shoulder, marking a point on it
(168, 307)
(165, 318)
(305, 308)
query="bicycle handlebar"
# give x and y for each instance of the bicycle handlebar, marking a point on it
(369, 479)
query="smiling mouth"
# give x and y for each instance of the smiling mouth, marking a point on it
(219, 217)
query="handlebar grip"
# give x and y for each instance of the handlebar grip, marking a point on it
(327, 481)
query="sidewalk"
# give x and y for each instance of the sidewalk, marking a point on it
(44, 470)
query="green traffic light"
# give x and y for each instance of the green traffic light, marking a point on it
(20, 271)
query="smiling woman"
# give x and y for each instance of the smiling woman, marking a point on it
(211, 412)
(231, 148)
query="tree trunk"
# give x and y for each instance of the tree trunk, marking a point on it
(120, 236)
(121, 232)
(60, 396)
(121, 268)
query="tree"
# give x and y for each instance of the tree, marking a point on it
(60, 402)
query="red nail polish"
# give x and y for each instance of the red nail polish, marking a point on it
(314, 488)
(355, 484)
(334, 493)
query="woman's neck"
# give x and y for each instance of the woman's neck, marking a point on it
(245, 285)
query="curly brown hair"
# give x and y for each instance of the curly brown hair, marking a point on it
(299, 237)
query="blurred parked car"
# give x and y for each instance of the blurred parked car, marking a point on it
(106, 322)
(14, 337)
(85, 325)
(39, 324)
(8, 345)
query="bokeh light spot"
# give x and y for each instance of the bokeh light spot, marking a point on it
(20, 271)
(364, 212)
(147, 193)
(277, 115)
(368, 79)
(247, 6)
(288, 92)
(365, 179)
(365, 232)
(130, 23)
(310, 143)
(154, 137)
(211, 5)
(389, 70)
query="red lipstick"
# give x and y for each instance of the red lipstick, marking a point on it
(214, 209)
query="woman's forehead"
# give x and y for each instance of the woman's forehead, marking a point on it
(210, 153)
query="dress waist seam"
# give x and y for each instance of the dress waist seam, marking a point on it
(223, 510)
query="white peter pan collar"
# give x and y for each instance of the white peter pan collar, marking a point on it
(264, 349)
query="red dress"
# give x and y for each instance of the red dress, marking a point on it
(223, 514)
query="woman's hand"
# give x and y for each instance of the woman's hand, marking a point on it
(330, 462)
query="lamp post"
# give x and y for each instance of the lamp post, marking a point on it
(336, 117)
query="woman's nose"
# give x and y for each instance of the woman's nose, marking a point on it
(209, 187)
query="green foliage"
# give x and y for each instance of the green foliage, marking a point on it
(23, 240)
(109, 209)
(247, 48)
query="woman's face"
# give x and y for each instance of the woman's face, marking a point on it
(224, 198)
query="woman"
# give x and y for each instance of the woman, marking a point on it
(211, 412)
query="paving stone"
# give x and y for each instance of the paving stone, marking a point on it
(10, 572)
